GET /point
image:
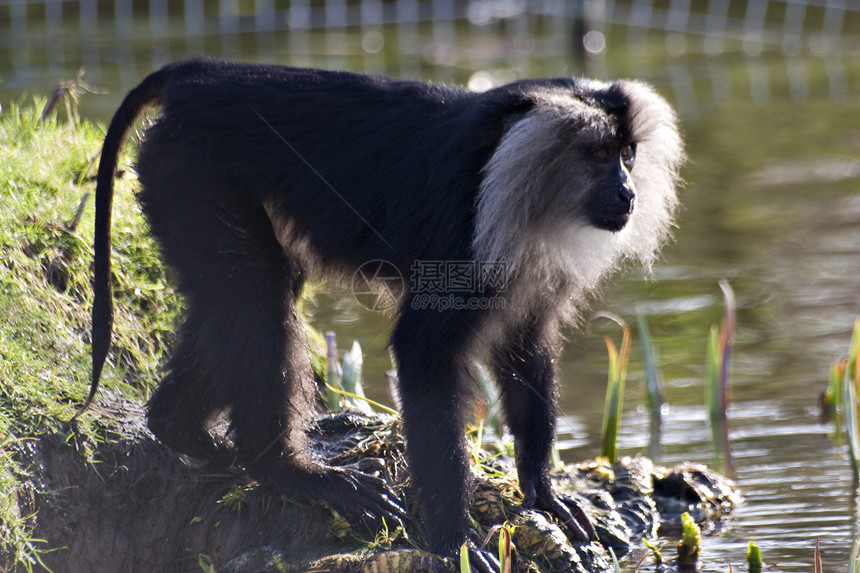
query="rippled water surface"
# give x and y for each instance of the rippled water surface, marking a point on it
(771, 204)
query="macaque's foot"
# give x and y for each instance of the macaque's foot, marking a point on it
(566, 510)
(191, 440)
(345, 489)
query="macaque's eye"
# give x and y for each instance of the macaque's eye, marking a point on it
(627, 152)
(601, 154)
(628, 155)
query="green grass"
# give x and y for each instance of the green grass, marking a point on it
(46, 169)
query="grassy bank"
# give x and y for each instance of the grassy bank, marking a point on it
(46, 170)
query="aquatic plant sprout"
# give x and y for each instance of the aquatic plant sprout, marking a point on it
(653, 386)
(343, 380)
(614, 404)
(464, 559)
(720, 342)
(690, 544)
(849, 401)
(754, 558)
(505, 549)
(840, 401)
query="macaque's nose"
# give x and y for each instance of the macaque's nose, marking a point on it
(627, 196)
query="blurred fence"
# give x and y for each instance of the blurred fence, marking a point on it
(821, 25)
(783, 22)
(57, 35)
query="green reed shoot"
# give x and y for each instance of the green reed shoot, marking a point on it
(351, 367)
(465, 567)
(653, 386)
(832, 400)
(343, 386)
(854, 559)
(616, 566)
(690, 544)
(614, 404)
(333, 374)
(720, 344)
(655, 551)
(849, 400)
(488, 411)
(754, 558)
(505, 549)
(840, 400)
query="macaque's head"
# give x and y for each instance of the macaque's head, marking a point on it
(581, 182)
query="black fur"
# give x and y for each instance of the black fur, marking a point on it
(255, 176)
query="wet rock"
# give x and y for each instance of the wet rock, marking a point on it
(543, 544)
(695, 489)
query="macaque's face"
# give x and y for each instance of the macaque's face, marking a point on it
(588, 180)
(612, 198)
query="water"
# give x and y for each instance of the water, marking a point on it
(771, 204)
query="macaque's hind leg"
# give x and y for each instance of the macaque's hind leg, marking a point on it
(269, 414)
(270, 410)
(181, 409)
(243, 347)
